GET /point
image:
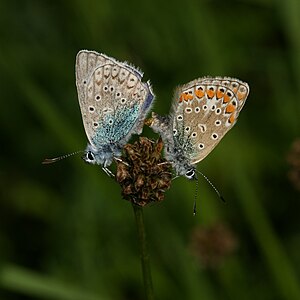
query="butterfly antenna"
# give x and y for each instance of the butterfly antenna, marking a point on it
(195, 198)
(48, 161)
(215, 189)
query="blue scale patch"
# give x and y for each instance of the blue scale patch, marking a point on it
(114, 127)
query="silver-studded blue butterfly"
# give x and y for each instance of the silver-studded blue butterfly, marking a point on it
(114, 103)
(203, 111)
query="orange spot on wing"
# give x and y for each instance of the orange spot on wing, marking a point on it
(185, 97)
(199, 93)
(181, 98)
(189, 97)
(229, 109)
(210, 93)
(241, 96)
(220, 94)
(231, 119)
(226, 98)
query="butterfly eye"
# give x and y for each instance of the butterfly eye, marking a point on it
(197, 109)
(213, 108)
(188, 110)
(201, 146)
(179, 118)
(98, 97)
(204, 107)
(194, 134)
(111, 88)
(190, 174)
(90, 156)
(174, 132)
(123, 100)
(105, 88)
(91, 109)
(96, 124)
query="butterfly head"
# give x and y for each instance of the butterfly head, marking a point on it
(101, 156)
(89, 157)
(183, 168)
(191, 174)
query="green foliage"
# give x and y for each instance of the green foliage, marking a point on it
(65, 232)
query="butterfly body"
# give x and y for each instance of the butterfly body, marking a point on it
(203, 111)
(113, 101)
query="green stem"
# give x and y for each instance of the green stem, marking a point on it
(145, 260)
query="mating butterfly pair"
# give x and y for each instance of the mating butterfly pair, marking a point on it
(114, 103)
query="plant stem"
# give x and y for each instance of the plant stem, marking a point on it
(145, 260)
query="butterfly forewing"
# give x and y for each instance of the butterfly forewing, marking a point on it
(112, 98)
(204, 111)
(86, 63)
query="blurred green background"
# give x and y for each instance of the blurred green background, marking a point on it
(65, 232)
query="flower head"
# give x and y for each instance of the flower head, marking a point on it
(143, 174)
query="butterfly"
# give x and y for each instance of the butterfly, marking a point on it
(113, 102)
(203, 111)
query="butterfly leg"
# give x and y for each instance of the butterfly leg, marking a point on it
(108, 172)
(122, 161)
(164, 163)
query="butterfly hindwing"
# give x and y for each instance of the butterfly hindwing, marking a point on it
(204, 111)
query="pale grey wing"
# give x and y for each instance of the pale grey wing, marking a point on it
(204, 110)
(86, 63)
(115, 102)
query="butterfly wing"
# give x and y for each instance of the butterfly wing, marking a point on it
(113, 99)
(204, 110)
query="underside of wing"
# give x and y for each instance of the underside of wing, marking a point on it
(113, 99)
(204, 110)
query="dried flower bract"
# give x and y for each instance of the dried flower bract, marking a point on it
(143, 174)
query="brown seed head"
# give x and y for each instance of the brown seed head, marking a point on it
(143, 174)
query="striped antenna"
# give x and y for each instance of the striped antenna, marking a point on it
(195, 199)
(48, 161)
(215, 189)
